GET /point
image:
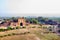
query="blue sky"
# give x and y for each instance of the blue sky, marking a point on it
(2, 7)
(46, 8)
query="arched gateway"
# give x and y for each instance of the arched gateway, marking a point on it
(21, 22)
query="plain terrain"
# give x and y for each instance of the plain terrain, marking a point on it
(34, 34)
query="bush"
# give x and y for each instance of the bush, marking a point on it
(9, 28)
(39, 27)
(2, 30)
(13, 34)
(5, 35)
(45, 27)
(33, 27)
(23, 27)
(17, 27)
(5, 29)
(1, 36)
(28, 32)
(9, 34)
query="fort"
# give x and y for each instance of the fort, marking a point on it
(20, 22)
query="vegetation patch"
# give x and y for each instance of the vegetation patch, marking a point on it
(13, 33)
(9, 34)
(23, 27)
(9, 28)
(34, 27)
(1, 36)
(39, 27)
(17, 27)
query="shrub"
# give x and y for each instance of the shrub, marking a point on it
(23, 27)
(44, 27)
(1, 30)
(1, 36)
(9, 34)
(9, 28)
(28, 32)
(33, 27)
(5, 35)
(39, 27)
(13, 34)
(5, 29)
(17, 27)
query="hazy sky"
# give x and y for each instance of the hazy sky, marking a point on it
(45, 8)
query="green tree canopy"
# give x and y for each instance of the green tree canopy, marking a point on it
(34, 21)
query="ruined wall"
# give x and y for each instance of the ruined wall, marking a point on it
(21, 20)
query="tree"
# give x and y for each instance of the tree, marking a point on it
(14, 19)
(34, 21)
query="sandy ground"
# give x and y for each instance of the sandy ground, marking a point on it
(21, 37)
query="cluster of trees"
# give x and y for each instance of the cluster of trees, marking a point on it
(37, 20)
(33, 20)
(46, 21)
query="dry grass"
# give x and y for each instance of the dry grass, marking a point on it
(35, 34)
(20, 37)
(14, 31)
(45, 36)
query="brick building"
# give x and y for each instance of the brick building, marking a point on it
(20, 22)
